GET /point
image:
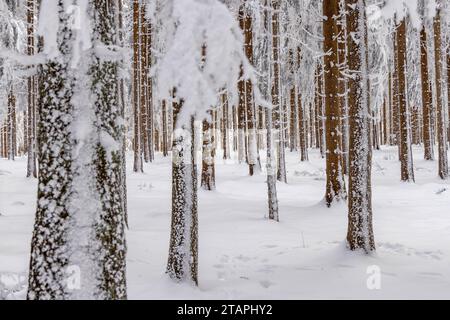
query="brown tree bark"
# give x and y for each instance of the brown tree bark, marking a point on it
(225, 127)
(152, 142)
(440, 111)
(343, 86)
(427, 97)
(252, 150)
(4, 141)
(395, 100)
(293, 107)
(335, 188)
(12, 132)
(143, 85)
(165, 136)
(138, 167)
(360, 230)
(407, 173)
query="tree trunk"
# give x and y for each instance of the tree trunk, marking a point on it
(276, 91)
(148, 36)
(407, 173)
(427, 98)
(143, 85)
(343, 85)
(49, 260)
(208, 181)
(12, 133)
(225, 127)
(302, 119)
(183, 251)
(440, 114)
(165, 135)
(360, 231)
(137, 167)
(31, 91)
(335, 188)
(107, 160)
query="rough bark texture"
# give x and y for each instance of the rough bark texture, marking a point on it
(182, 263)
(276, 92)
(31, 91)
(360, 231)
(208, 180)
(335, 187)
(406, 160)
(110, 225)
(137, 167)
(252, 151)
(440, 111)
(427, 98)
(302, 120)
(49, 259)
(12, 132)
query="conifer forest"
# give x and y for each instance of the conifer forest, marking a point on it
(224, 149)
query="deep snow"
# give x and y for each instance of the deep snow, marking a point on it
(245, 256)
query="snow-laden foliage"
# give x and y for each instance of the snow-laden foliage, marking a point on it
(203, 56)
(12, 41)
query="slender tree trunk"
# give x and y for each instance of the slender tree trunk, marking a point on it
(138, 167)
(149, 88)
(360, 231)
(448, 87)
(440, 114)
(276, 91)
(226, 127)
(31, 91)
(208, 181)
(396, 102)
(293, 108)
(4, 140)
(252, 150)
(165, 136)
(343, 84)
(335, 188)
(407, 173)
(427, 98)
(183, 250)
(121, 87)
(12, 133)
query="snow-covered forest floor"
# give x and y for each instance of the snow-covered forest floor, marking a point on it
(245, 256)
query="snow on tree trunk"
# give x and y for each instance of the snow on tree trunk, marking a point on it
(107, 158)
(208, 180)
(80, 220)
(165, 133)
(12, 132)
(276, 91)
(183, 250)
(31, 83)
(360, 232)
(406, 160)
(335, 187)
(427, 97)
(225, 127)
(49, 255)
(138, 166)
(302, 118)
(440, 109)
(252, 151)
